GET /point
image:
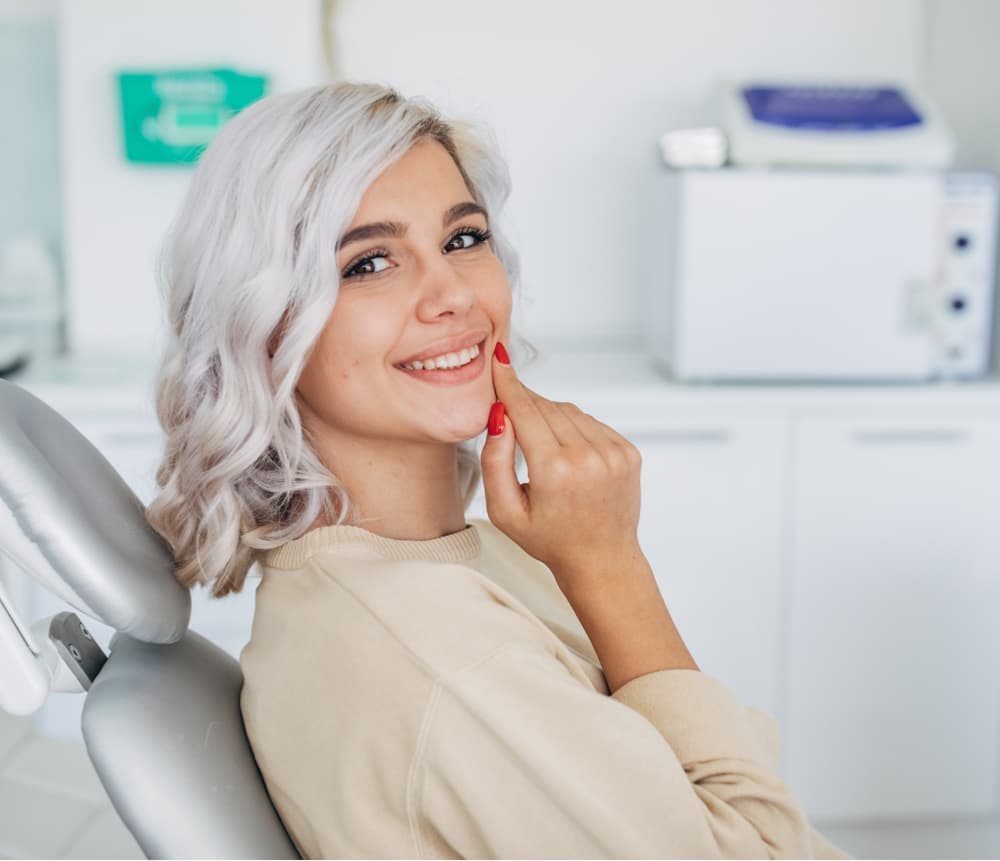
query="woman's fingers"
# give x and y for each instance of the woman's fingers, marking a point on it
(569, 455)
(534, 432)
(620, 444)
(561, 420)
(542, 424)
(505, 498)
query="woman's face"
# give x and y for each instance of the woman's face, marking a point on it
(418, 281)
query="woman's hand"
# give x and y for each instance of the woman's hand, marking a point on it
(579, 515)
(579, 512)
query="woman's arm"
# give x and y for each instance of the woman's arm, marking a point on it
(713, 787)
(579, 514)
(519, 759)
(627, 621)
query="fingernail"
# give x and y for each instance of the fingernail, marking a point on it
(496, 423)
(500, 351)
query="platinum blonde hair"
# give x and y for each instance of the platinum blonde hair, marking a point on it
(249, 282)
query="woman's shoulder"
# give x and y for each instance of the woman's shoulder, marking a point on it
(438, 616)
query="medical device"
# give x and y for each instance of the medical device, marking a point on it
(834, 124)
(822, 275)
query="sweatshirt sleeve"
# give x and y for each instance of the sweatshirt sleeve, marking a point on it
(518, 759)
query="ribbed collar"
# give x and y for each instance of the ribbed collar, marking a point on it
(457, 547)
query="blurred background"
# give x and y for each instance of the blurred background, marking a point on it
(822, 524)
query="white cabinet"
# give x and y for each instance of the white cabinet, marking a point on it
(893, 639)
(711, 528)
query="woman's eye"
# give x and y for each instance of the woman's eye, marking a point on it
(463, 240)
(368, 266)
(377, 259)
(466, 239)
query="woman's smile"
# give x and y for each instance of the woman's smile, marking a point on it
(448, 368)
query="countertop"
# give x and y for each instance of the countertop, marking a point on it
(619, 382)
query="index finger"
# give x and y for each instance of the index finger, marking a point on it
(532, 430)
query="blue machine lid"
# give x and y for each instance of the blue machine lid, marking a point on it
(831, 108)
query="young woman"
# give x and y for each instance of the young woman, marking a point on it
(415, 685)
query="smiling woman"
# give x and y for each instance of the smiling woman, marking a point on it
(264, 392)
(417, 686)
(429, 290)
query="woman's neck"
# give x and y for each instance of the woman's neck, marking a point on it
(409, 492)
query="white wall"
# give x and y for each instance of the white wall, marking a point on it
(580, 91)
(115, 213)
(963, 71)
(577, 90)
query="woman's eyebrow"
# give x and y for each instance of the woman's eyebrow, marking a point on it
(396, 229)
(461, 210)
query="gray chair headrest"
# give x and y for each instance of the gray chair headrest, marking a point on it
(69, 519)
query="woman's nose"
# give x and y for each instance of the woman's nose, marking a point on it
(444, 291)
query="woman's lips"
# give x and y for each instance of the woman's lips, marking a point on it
(452, 375)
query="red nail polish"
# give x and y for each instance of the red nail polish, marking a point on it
(500, 351)
(496, 422)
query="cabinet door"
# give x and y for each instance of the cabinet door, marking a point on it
(710, 526)
(893, 655)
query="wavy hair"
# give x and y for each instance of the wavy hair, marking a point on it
(248, 284)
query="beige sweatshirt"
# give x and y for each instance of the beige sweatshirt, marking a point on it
(440, 699)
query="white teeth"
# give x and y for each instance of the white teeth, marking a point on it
(447, 360)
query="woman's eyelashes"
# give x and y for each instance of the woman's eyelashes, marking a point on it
(365, 265)
(477, 234)
(375, 260)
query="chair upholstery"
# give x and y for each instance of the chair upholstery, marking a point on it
(163, 728)
(71, 519)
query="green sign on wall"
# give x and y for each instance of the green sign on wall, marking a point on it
(169, 117)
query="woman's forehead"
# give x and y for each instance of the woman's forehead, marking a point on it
(425, 183)
(426, 170)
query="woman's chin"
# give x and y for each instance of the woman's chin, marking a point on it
(462, 428)
(466, 433)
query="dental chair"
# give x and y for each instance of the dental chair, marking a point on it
(161, 718)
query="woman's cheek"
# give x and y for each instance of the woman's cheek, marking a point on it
(503, 300)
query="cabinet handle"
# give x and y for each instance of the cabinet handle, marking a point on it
(695, 436)
(911, 436)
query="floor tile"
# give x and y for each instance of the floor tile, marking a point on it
(59, 766)
(38, 824)
(106, 838)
